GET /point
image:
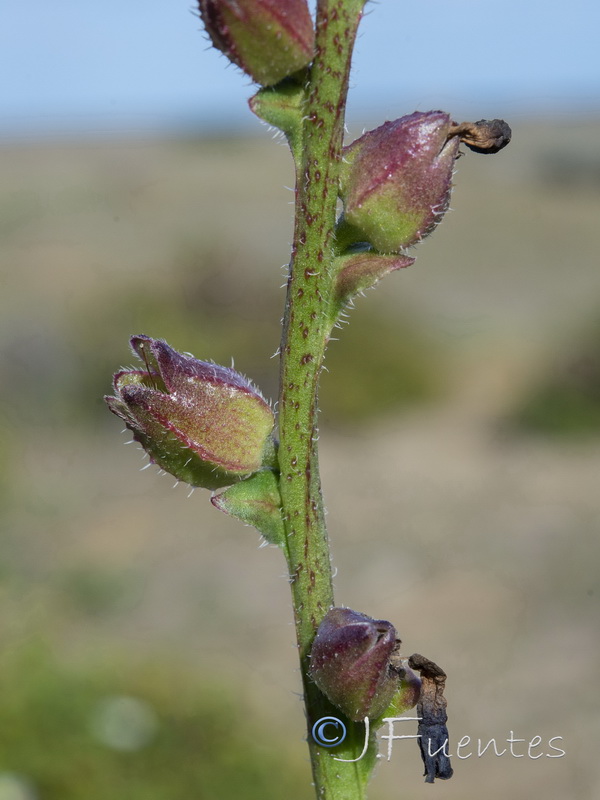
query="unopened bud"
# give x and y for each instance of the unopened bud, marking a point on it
(396, 180)
(350, 662)
(255, 501)
(360, 269)
(409, 691)
(205, 424)
(268, 39)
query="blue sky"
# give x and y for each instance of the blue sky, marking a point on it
(73, 66)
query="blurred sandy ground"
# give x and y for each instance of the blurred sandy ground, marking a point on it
(479, 545)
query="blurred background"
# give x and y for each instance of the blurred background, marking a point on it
(146, 641)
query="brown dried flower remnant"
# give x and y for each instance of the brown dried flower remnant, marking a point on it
(486, 136)
(432, 729)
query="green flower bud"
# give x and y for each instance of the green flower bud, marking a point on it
(255, 501)
(350, 662)
(409, 691)
(205, 424)
(360, 269)
(283, 107)
(396, 180)
(268, 39)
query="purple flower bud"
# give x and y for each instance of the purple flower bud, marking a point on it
(350, 662)
(396, 180)
(268, 39)
(205, 424)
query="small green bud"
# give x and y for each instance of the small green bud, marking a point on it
(396, 180)
(350, 662)
(255, 501)
(268, 39)
(205, 424)
(359, 269)
(409, 691)
(283, 107)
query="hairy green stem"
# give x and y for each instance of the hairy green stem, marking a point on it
(305, 333)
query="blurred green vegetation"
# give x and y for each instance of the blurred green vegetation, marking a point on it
(565, 399)
(383, 364)
(212, 307)
(145, 731)
(121, 602)
(78, 288)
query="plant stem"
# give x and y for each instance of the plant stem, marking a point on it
(305, 334)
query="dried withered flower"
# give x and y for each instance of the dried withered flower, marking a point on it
(432, 729)
(485, 136)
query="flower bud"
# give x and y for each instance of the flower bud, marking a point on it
(409, 691)
(396, 180)
(350, 662)
(255, 501)
(283, 107)
(360, 269)
(268, 39)
(205, 424)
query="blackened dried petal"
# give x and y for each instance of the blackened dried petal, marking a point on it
(432, 729)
